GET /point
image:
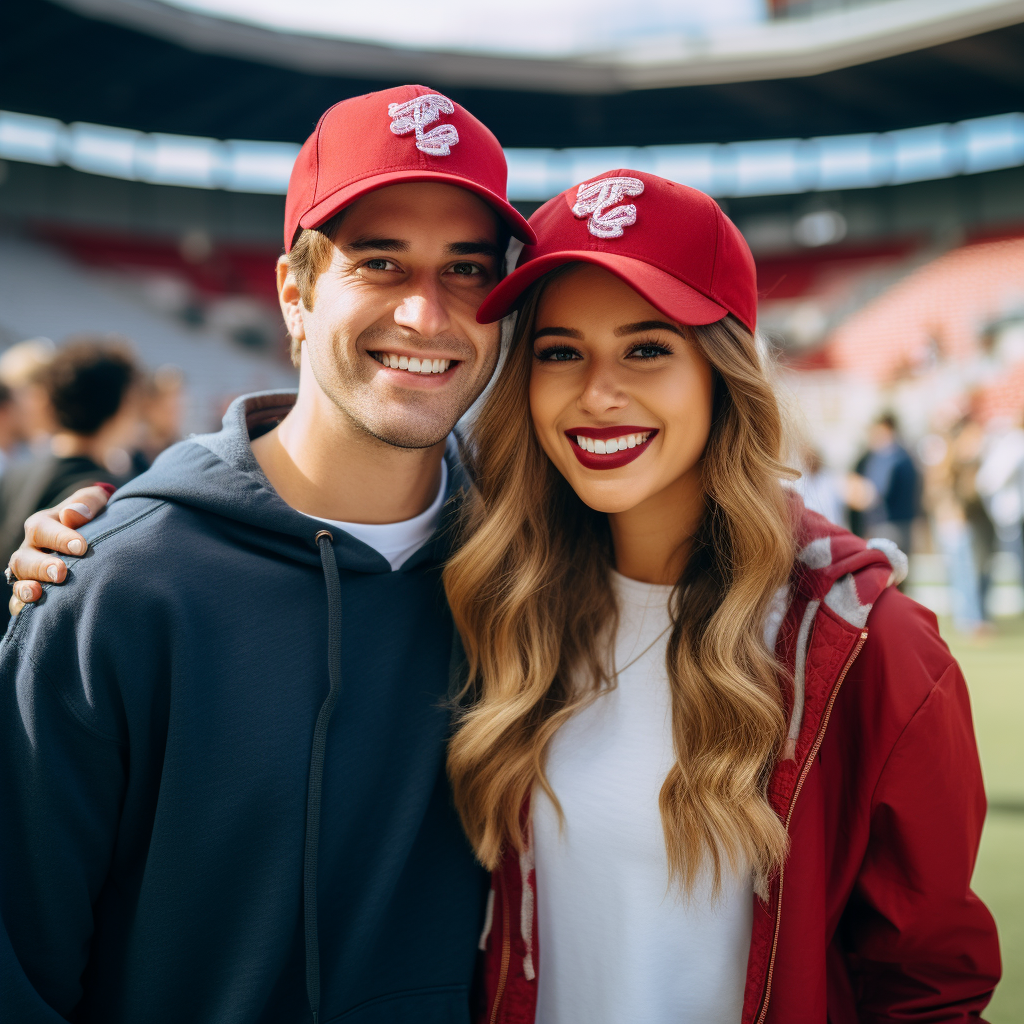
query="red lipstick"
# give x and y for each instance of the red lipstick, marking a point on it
(605, 460)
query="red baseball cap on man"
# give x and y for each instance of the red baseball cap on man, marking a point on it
(409, 133)
(669, 242)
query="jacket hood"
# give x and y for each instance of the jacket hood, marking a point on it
(218, 473)
(842, 571)
(838, 570)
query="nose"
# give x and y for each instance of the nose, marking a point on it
(422, 309)
(602, 391)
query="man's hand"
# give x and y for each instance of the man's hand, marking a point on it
(47, 532)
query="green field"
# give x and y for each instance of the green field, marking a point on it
(995, 674)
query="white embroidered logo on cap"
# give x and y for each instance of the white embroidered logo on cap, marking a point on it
(597, 200)
(416, 114)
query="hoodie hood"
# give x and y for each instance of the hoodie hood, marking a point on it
(218, 473)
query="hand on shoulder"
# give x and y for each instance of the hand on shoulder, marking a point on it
(48, 532)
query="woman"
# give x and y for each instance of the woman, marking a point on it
(686, 694)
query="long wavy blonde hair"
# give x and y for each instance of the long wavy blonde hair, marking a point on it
(531, 595)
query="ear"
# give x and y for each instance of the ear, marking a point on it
(288, 295)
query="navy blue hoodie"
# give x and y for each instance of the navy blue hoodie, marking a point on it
(222, 786)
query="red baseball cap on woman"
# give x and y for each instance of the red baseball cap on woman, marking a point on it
(409, 133)
(669, 242)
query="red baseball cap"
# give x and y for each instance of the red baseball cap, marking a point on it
(669, 242)
(410, 133)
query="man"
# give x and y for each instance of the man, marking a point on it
(228, 803)
(895, 484)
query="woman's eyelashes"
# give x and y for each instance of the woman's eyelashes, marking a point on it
(648, 350)
(556, 354)
(642, 351)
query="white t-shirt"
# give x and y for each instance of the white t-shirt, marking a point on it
(616, 942)
(397, 541)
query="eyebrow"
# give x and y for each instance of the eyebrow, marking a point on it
(647, 325)
(560, 332)
(480, 247)
(620, 332)
(376, 244)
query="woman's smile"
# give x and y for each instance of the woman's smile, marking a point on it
(609, 447)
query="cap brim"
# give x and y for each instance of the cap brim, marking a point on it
(677, 300)
(328, 207)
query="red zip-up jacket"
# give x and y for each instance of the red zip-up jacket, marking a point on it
(872, 917)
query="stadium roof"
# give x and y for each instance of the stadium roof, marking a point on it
(154, 67)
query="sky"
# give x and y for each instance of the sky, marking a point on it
(545, 28)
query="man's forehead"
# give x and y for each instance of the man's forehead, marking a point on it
(414, 209)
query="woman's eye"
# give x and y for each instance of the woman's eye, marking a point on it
(379, 264)
(649, 350)
(557, 354)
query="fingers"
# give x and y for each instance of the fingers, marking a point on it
(31, 564)
(25, 592)
(49, 531)
(44, 530)
(82, 506)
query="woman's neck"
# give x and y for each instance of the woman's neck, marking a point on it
(652, 540)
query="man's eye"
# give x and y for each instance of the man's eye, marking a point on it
(379, 264)
(466, 269)
(557, 354)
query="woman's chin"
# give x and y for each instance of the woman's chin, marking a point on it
(609, 497)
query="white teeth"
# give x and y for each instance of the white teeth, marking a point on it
(613, 444)
(412, 363)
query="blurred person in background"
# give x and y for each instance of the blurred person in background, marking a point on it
(828, 492)
(22, 368)
(10, 433)
(90, 386)
(895, 485)
(162, 394)
(1000, 483)
(961, 527)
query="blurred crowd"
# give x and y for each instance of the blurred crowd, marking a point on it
(958, 493)
(77, 414)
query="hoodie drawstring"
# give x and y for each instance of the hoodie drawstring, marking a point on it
(324, 542)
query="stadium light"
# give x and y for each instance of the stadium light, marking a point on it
(761, 168)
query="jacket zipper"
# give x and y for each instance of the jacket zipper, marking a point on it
(506, 954)
(804, 772)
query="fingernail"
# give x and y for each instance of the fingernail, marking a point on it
(76, 547)
(81, 509)
(25, 593)
(51, 571)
